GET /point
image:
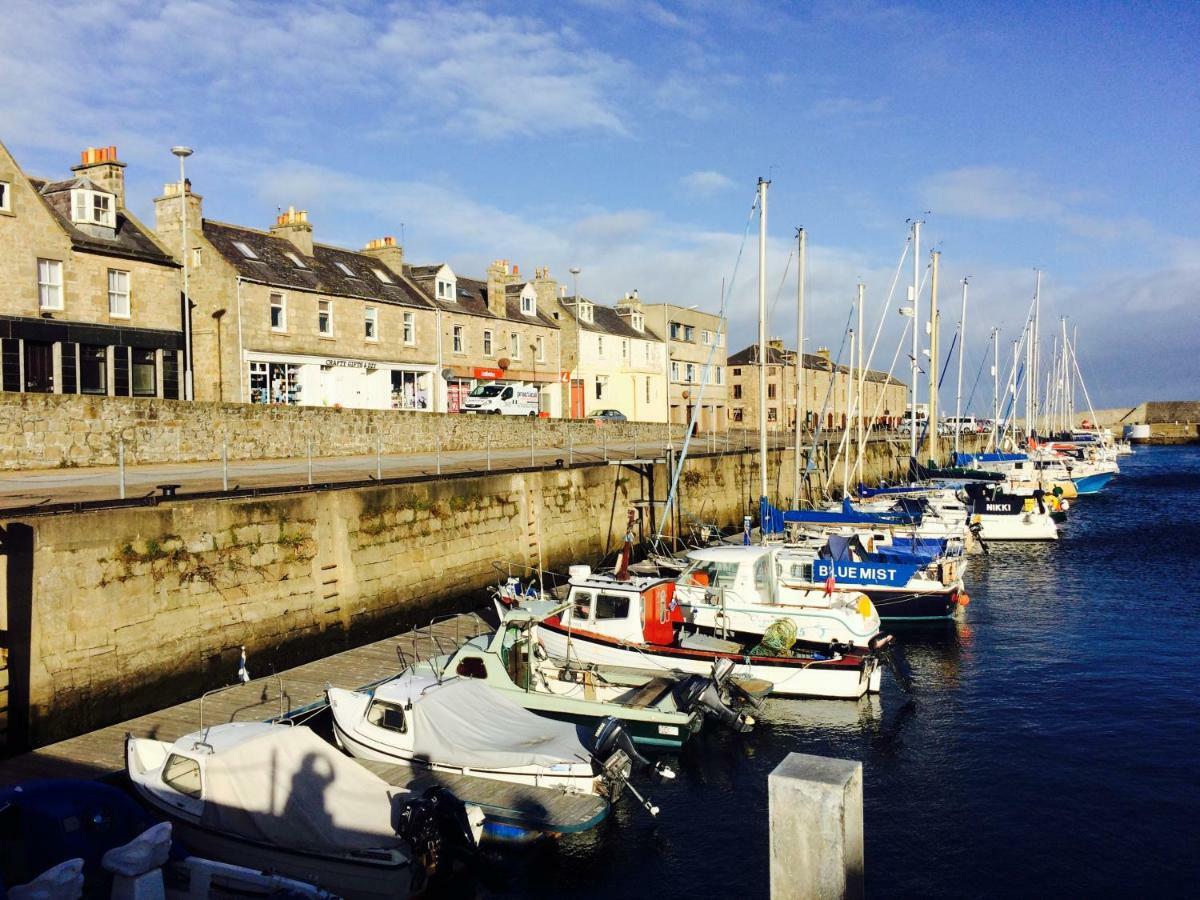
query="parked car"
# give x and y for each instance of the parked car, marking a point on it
(609, 415)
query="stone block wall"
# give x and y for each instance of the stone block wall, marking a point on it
(46, 431)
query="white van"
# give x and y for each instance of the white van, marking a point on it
(961, 424)
(502, 399)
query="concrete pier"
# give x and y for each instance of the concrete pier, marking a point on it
(816, 821)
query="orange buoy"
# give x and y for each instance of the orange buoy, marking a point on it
(963, 598)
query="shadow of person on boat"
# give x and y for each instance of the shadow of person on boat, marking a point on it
(307, 801)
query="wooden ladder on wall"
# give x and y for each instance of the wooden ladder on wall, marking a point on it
(533, 529)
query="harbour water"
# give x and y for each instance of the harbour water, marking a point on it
(1049, 746)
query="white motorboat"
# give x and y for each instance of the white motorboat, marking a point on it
(278, 798)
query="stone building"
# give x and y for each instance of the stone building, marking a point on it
(615, 359)
(695, 341)
(498, 329)
(89, 298)
(279, 318)
(825, 387)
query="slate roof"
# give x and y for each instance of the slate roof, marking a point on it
(606, 320)
(472, 297)
(128, 240)
(321, 274)
(777, 357)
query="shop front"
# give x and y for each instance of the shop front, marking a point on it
(328, 381)
(460, 380)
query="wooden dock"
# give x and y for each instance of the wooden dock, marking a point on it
(292, 693)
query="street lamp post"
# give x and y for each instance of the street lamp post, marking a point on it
(188, 391)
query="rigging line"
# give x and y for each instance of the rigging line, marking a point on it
(978, 375)
(895, 357)
(829, 390)
(779, 293)
(699, 405)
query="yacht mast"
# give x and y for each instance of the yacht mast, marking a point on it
(762, 348)
(914, 292)
(802, 240)
(962, 343)
(995, 388)
(862, 374)
(847, 420)
(933, 354)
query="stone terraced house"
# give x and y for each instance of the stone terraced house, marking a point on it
(90, 299)
(279, 318)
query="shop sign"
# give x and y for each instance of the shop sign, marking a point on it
(488, 374)
(350, 364)
(564, 376)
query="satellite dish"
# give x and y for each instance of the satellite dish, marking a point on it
(447, 374)
(503, 362)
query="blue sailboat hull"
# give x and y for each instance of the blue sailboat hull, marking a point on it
(1092, 484)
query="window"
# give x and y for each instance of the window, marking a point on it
(487, 342)
(647, 389)
(674, 371)
(382, 714)
(325, 318)
(296, 260)
(737, 415)
(720, 339)
(638, 321)
(706, 337)
(278, 312)
(612, 606)
(445, 290)
(50, 292)
(371, 323)
(710, 573)
(690, 372)
(737, 392)
(274, 382)
(676, 331)
(514, 345)
(93, 208)
(583, 605)
(586, 311)
(346, 270)
(772, 414)
(245, 251)
(182, 774)
(196, 257)
(720, 374)
(145, 371)
(539, 342)
(459, 346)
(118, 293)
(382, 276)
(770, 392)
(93, 369)
(601, 384)
(5, 197)
(625, 350)
(689, 333)
(528, 304)
(410, 329)
(737, 372)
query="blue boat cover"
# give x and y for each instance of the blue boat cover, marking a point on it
(848, 516)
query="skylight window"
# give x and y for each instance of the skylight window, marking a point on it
(296, 260)
(346, 270)
(382, 276)
(245, 251)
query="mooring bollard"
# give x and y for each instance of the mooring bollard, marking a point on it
(121, 466)
(816, 823)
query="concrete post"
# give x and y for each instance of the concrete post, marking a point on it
(816, 822)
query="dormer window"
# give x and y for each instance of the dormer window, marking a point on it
(445, 290)
(245, 250)
(586, 311)
(93, 208)
(345, 270)
(638, 321)
(528, 303)
(296, 260)
(382, 276)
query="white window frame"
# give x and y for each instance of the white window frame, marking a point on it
(244, 249)
(720, 374)
(328, 305)
(382, 275)
(586, 311)
(281, 328)
(514, 345)
(345, 269)
(675, 371)
(528, 305)
(638, 321)
(296, 260)
(540, 343)
(50, 284)
(115, 294)
(5, 196)
(197, 257)
(706, 337)
(87, 208)
(458, 340)
(690, 371)
(445, 289)
(489, 346)
(371, 324)
(410, 329)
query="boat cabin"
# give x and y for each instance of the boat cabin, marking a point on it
(640, 610)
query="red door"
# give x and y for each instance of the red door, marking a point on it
(456, 392)
(577, 398)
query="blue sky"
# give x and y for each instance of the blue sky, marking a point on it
(626, 138)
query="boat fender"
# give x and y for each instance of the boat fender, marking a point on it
(539, 649)
(1066, 504)
(963, 598)
(864, 606)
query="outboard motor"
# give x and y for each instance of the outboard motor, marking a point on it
(613, 750)
(705, 693)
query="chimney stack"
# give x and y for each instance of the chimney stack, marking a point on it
(498, 278)
(101, 165)
(295, 227)
(166, 213)
(388, 252)
(546, 288)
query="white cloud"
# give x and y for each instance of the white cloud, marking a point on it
(706, 182)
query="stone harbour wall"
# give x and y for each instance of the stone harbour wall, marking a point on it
(47, 431)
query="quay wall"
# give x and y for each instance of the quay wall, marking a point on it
(47, 431)
(116, 612)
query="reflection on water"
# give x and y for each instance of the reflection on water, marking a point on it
(1049, 745)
